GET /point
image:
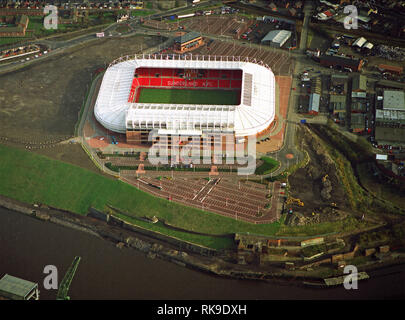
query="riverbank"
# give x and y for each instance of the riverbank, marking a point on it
(153, 248)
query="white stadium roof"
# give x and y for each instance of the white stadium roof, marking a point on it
(254, 114)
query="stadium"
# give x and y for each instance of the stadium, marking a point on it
(186, 95)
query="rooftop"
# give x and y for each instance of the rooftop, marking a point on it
(390, 135)
(390, 115)
(278, 36)
(359, 83)
(394, 100)
(340, 60)
(187, 37)
(15, 288)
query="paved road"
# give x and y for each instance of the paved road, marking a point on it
(304, 32)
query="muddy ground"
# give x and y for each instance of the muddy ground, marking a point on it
(307, 183)
(41, 102)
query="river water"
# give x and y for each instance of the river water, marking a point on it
(27, 245)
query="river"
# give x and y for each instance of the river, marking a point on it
(27, 245)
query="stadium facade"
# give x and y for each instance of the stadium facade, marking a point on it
(118, 110)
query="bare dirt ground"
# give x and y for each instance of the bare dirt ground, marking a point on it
(40, 102)
(307, 183)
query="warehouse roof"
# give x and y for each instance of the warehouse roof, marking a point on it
(359, 83)
(390, 135)
(15, 288)
(339, 60)
(277, 36)
(390, 115)
(390, 68)
(314, 102)
(187, 37)
(394, 100)
(358, 120)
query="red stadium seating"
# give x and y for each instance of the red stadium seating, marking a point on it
(224, 84)
(156, 82)
(236, 84)
(180, 78)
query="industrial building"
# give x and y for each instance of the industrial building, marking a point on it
(277, 38)
(390, 136)
(390, 121)
(391, 69)
(340, 62)
(314, 103)
(359, 83)
(390, 118)
(187, 42)
(337, 103)
(357, 122)
(14, 288)
(394, 100)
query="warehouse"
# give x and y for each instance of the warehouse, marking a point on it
(390, 136)
(337, 103)
(357, 122)
(314, 103)
(394, 100)
(276, 38)
(340, 62)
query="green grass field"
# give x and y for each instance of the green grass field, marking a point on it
(268, 166)
(189, 96)
(32, 178)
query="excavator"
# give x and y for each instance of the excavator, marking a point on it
(291, 200)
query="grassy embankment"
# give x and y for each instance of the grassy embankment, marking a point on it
(32, 178)
(268, 166)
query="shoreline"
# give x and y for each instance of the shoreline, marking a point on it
(152, 247)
